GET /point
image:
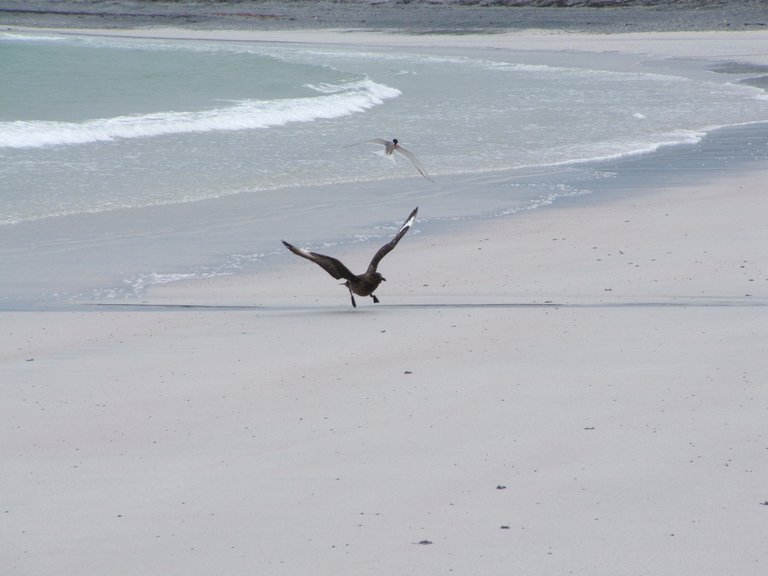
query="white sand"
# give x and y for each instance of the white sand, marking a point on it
(628, 424)
(742, 46)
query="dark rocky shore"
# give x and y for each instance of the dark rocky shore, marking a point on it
(415, 16)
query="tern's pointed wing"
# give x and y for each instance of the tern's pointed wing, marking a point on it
(415, 161)
(387, 248)
(331, 265)
(371, 141)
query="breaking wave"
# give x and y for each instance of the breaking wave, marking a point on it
(332, 101)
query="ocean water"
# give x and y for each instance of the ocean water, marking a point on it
(131, 162)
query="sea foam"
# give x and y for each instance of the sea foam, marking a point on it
(335, 101)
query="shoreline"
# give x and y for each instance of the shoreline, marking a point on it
(725, 155)
(728, 153)
(703, 45)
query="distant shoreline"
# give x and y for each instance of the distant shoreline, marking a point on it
(415, 16)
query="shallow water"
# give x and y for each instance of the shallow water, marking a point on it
(127, 163)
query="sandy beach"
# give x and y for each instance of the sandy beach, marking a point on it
(577, 390)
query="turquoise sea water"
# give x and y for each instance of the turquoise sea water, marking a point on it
(128, 162)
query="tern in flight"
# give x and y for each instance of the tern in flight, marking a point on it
(362, 284)
(392, 146)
